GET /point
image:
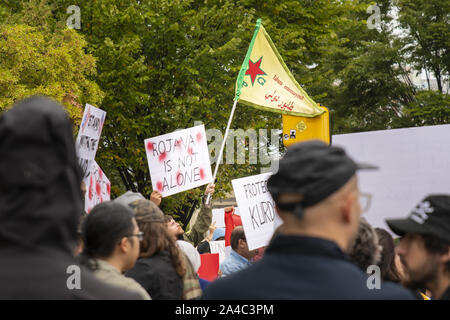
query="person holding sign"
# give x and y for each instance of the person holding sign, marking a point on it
(316, 195)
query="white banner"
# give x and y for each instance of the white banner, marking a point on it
(88, 137)
(98, 188)
(256, 208)
(413, 163)
(179, 161)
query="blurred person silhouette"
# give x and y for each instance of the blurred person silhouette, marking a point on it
(111, 245)
(317, 197)
(365, 250)
(390, 264)
(41, 206)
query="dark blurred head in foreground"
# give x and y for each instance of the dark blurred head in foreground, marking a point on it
(40, 197)
(316, 192)
(41, 206)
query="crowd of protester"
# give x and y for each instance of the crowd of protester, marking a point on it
(128, 248)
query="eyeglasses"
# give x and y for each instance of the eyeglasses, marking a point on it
(140, 236)
(364, 201)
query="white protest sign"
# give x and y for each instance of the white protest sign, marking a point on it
(88, 137)
(413, 163)
(218, 247)
(256, 208)
(218, 216)
(179, 161)
(98, 188)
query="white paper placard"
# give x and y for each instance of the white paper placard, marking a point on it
(218, 247)
(88, 137)
(256, 208)
(218, 216)
(98, 188)
(179, 161)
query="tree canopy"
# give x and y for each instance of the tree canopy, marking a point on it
(159, 65)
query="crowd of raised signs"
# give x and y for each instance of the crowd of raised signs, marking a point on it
(299, 232)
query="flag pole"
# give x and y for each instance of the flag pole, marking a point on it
(239, 83)
(219, 157)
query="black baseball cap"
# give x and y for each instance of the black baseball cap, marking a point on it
(313, 169)
(430, 217)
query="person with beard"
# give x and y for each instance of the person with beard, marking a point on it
(41, 206)
(317, 196)
(424, 248)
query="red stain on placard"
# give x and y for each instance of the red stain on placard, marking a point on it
(190, 152)
(178, 143)
(202, 173)
(159, 186)
(100, 173)
(162, 156)
(108, 188)
(199, 137)
(149, 146)
(98, 188)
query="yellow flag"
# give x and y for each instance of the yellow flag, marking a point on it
(265, 82)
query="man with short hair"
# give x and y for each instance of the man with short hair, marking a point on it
(240, 255)
(111, 239)
(317, 197)
(424, 248)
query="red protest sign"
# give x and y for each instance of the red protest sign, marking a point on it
(209, 267)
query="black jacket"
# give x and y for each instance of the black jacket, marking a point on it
(295, 268)
(446, 295)
(158, 276)
(41, 206)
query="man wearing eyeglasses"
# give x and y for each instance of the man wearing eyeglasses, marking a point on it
(317, 196)
(111, 240)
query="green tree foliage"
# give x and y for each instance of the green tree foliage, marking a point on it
(427, 23)
(165, 64)
(34, 59)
